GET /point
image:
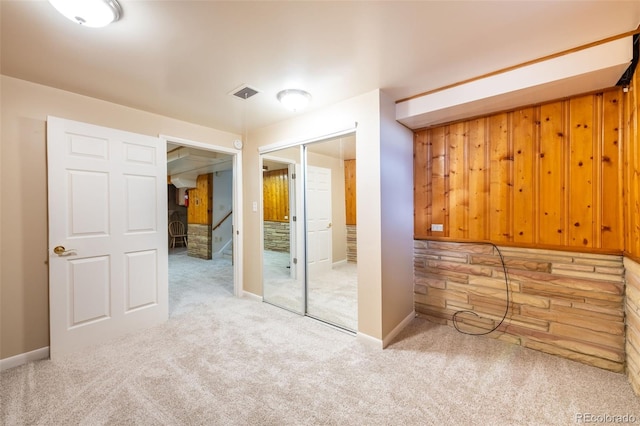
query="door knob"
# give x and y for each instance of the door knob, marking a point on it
(61, 251)
(329, 225)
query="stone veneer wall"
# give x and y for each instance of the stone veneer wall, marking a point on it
(563, 303)
(352, 243)
(199, 241)
(276, 236)
(632, 309)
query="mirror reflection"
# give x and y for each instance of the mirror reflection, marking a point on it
(330, 208)
(283, 283)
(309, 230)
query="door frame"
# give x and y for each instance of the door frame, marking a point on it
(236, 155)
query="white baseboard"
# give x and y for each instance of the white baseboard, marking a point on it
(389, 337)
(338, 263)
(17, 360)
(372, 341)
(251, 296)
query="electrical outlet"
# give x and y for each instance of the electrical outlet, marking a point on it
(439, 227)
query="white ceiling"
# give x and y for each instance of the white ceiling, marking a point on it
(182, 58)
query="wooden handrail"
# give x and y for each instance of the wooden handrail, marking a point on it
(221, 220)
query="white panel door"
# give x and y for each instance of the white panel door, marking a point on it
(319, 233)
(108, 273)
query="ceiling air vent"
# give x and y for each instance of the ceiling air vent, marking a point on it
(244, 92)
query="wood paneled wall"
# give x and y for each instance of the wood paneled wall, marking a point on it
(546, 176)
(275, 195)
(632, 170)
(200, 201)
(350, 190)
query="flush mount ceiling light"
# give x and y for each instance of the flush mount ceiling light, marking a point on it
(294, 99)
(89, 13)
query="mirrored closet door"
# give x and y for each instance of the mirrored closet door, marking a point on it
(309, 230)
(330, 237)
(283, 274)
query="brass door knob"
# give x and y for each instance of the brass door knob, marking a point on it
(61, 251)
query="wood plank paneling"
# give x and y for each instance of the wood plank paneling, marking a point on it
(632, 169)
(350, 191)
(275, 192)
(524, 163)
(501, 160)
(439, 186)
(478, 182)
(547, 175)
(582, 141)
(200, 200)
(421, 184)
(611, 171)
(551, 224)
(458, 188)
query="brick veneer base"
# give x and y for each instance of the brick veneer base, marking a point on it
(632, 310)
(352, 243)
(276, 236)
(563, 303)
(199, 241)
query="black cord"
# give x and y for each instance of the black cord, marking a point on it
(506, 311)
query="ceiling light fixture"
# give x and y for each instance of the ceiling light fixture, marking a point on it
(89, 13)
(294, 99)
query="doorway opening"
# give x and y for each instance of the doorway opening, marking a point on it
(202, 213)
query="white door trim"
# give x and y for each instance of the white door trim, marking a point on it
(237, 201)
(276, 146)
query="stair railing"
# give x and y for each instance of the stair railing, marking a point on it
(221, 221)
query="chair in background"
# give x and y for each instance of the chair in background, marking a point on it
(176, 232)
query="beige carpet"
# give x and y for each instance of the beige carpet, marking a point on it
(332, 296)
(229, 361)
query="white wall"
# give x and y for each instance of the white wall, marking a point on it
(222, 204)
(396, 182)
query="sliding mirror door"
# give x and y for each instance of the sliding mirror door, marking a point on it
(330, 231)
(283, 275)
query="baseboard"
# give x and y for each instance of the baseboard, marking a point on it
(17, 360)
(392, 335)
(339, 262)
(251, 296)
(371, 341)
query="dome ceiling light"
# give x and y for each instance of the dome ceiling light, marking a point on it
(294, 99)
(89, 13)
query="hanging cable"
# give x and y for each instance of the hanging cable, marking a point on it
(506, 311)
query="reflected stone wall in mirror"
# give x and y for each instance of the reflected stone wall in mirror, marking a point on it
(283, 283)
(331, 263)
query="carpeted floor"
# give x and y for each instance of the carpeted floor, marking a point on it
(194, 282)
(332, 296)
(234, 361)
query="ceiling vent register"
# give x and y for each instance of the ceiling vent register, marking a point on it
(245, 92)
